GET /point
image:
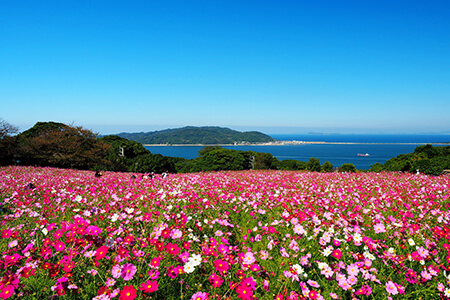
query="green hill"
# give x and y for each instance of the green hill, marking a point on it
(208, 135)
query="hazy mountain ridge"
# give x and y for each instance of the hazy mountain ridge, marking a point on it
(208, 135)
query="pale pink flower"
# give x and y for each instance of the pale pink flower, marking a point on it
(116, 271)
(248, 258)
(391, 288)
(379, 228)
(176, 234)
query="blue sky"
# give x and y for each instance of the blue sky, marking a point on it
(275, 66)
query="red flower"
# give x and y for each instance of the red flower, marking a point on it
(337, 253)
(27, 272)
(129, 239)
(149, 286)
(101, 252)
(128, 293)
(313, 294)
(279, 297)
(173, 249)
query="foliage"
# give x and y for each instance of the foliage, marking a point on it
(428, 159)
(327, 166)
(347, 168)
(131, 156)
(314, 165)
(207, 135)
(264, 161)
(7, 142)
(293, 165)
(376, 167)
(60, 145)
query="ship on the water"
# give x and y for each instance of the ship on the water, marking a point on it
(365, 154)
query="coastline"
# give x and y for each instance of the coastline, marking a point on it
(288, 143)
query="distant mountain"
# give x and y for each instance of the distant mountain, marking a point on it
(208, 135)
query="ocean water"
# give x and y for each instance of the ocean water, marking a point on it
(379, 147)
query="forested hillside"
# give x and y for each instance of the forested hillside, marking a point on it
(198, 135)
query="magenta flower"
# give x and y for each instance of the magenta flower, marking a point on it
(128, 271)
(221, 265)
(200, 296)
(215, 280)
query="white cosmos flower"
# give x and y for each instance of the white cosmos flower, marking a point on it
(447, 292)
(411, 242)
(327, 251)
(298, 269)
(189, 267)
(195, 259)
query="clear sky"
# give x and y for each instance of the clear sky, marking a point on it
(275, 66)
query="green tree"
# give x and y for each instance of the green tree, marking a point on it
(292, 164)
(347, 168)
(376, 167)
(265, 161)
(314, 165)
(327, 166)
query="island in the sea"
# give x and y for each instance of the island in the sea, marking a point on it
(207, 135)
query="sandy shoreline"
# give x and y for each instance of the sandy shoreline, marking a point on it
(289, 143)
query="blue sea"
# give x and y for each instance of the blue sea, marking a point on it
(379, 147)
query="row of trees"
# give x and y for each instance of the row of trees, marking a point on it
(66, 146)
(426, 159)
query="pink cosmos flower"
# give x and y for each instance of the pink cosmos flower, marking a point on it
(391, 288)
(244, 292)
(6, 292)
(12, 244)
(344, 284)
(352, 270)
(116, 271)
(248, 258)
(172, 272)
(149, 286)
(110, 282)
(352, 280)
(184, 257)
(379, 228)
(337, 253)
(176, 234)
(154, 274)
(200, 296)
(173, 249)
(128, 271)
(215, 280)
(313, 283)
(59, 246)
(263, 254)
(221, 265)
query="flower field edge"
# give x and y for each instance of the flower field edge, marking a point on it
(66, 234)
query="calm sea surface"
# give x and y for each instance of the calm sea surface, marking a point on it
(380, 148)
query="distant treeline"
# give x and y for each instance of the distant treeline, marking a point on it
(65, 146)
(425, 159)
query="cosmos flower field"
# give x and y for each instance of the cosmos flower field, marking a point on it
(223, 235)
